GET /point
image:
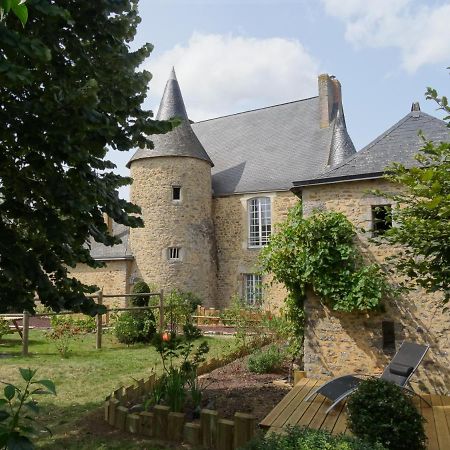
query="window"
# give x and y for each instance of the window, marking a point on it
(174, 253)
(176, 193)
(259, 220)
(381, 219)
(388, 331)
(253, 289)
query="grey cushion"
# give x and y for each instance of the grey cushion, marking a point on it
(400, 369)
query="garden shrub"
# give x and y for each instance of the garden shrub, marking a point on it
(179, 308)
(297, 438)
(63, 335)
(267, 360)
(141, 287)
(242, 317)
(379, 411)
(132, 327)
(18, 425)
(85, 324)
(181, 356)
(4, 328)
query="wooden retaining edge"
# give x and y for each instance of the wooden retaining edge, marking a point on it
(212, 432)
(162, 424)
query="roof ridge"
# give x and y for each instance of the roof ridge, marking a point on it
(256, 109)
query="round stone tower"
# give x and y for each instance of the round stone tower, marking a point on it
(172, 185)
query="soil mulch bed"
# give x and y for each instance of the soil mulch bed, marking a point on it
(233, 388)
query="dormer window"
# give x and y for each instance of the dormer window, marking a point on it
(176, 193)
(259, 221)
(174, 254)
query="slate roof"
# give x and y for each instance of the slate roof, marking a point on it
(265, 149)
(119, 251)
(341, 144)
(181, 141)
(398, 144)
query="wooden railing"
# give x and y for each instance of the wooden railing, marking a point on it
(100, 296)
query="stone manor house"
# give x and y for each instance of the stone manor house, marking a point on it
(212, 192)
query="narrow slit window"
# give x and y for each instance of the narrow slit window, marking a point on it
(176, 193)
(381, 219)
(174, 253)
(388, 330)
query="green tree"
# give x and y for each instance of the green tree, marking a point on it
(70, 89)
(422, 215)
(18, 8)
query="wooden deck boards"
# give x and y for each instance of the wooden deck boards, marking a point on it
(293, 410)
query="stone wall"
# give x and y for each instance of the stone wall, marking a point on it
(341, 343)
(234, 256)
(113, 278)
(186, 224)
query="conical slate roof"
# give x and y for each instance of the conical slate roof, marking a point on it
(181, 141)
(341, 144)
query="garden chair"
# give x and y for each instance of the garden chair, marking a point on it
(399, 371)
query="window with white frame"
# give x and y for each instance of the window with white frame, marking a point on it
(174, 253)
(259, 221)
(253, 289)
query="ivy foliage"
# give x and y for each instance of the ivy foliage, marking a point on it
(70, 89)
(319, 251)
(423, 213)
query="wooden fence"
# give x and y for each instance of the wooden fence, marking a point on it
(25, 317)
(216, 317)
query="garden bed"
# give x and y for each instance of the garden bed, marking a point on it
(234, 388)
(234, 400)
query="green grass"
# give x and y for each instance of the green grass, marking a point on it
(84, 379)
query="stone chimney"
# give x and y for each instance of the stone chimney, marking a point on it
(330, 98)
(109, 222)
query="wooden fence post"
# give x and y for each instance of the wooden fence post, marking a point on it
(25, 332)
(244, 428)
(161, 311)
(208, 425)
(98, 342)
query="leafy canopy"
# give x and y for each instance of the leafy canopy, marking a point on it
(423, 213)
(70, 89)
(320, 251)
(17, 7)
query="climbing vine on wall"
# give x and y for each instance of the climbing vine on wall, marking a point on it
(319, 251)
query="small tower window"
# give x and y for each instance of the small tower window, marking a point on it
(174, 253)
(381, 219)
(176, 193)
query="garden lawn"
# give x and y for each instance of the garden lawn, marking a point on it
(86, 377)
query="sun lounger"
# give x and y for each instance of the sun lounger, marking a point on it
(399, 371)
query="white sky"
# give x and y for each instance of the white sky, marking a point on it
(235, 55)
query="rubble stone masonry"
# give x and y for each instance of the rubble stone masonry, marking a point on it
(234, 256)
(343, 343)
(186, 224)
